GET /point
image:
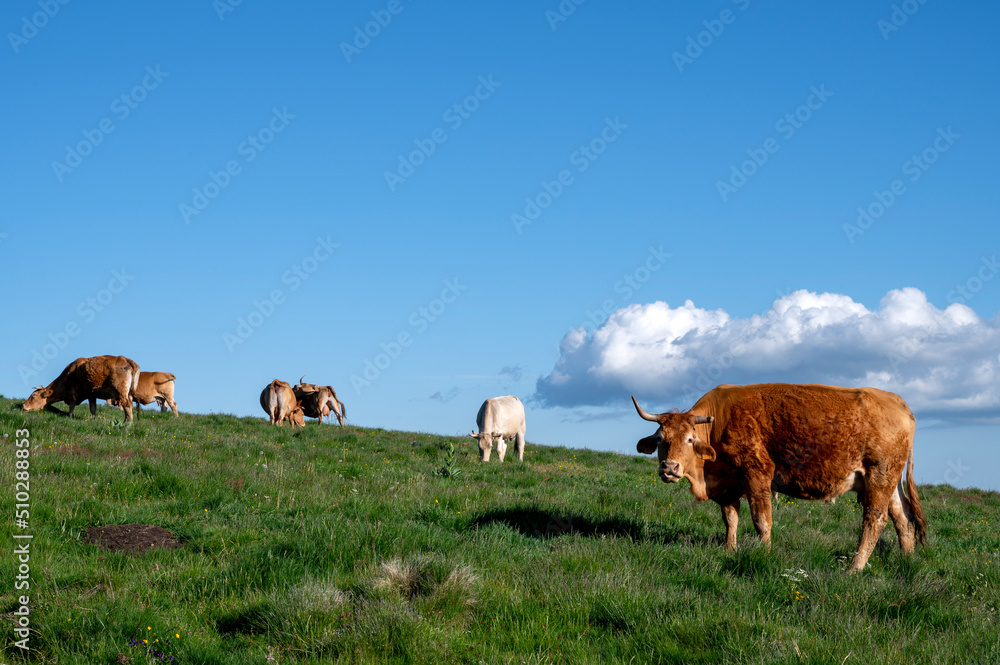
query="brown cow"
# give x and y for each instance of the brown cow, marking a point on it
(89, 379)
(319, 401)
(278, 401)
(806, 441)
(154, 387)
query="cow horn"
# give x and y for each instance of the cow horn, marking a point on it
(302, 380)
(474, 435)
(703, 420)
(643, 414)
(38, 387)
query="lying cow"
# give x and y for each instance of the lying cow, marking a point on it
(500, 418)
(806, 441)
(89, 379)
(319, 401)
(154, 387)
(278, 401)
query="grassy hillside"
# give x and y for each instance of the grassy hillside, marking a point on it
(330, 545)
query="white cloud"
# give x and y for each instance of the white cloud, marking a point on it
(944, 363)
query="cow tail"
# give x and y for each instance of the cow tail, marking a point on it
(275, 407)
(343, 410)
(915, 507)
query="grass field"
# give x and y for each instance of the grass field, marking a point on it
(343, 545)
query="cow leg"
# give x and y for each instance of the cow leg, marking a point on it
(760, 513)
(71, 407)
(902, 519)
(127, 408)
(731, 517)
(519, 446)
(874, 509)
(173, 406)
(93, 406)
(759, 498)
(501, 448)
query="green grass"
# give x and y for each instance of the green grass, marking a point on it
(328, 545)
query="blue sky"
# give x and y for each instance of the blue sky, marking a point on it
(523, 204)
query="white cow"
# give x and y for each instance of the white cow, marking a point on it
(500, 418)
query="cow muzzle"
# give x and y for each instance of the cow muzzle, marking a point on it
(670, 471)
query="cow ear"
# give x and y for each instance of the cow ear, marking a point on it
(706, 451)
(647, 446)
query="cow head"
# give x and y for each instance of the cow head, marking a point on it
(39, 399)
(305, 387)
(486, 440)
(681, 451)
(297, 417)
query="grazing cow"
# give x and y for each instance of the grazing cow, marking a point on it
(154, 387)
(278, 401)
(500, 418)
(89, 379)
(806, 441)
(319, 401)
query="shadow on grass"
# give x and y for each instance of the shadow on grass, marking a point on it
(545, 524)
(247, 621)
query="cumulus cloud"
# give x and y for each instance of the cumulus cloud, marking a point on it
(944, 363)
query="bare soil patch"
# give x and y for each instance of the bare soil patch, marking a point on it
(131, 538)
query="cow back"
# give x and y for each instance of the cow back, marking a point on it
(99, 377)
(814, 435)
(504, 415)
